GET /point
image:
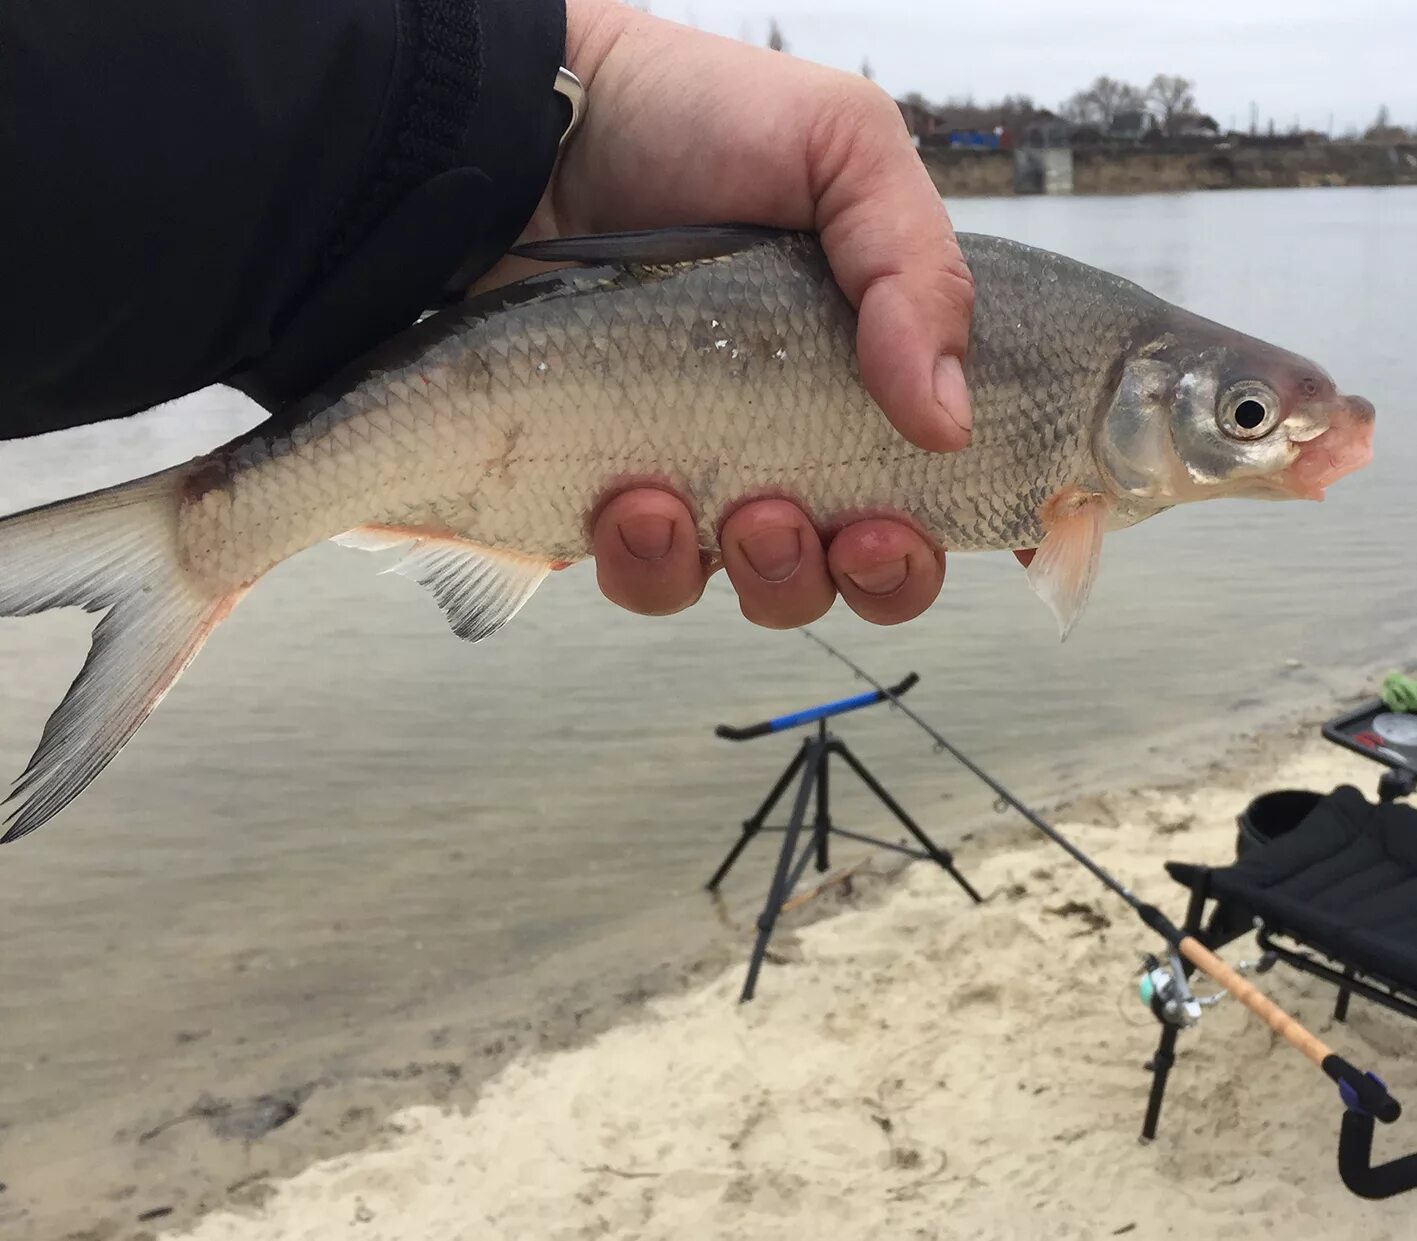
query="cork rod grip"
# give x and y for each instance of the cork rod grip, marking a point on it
(1261, 1005)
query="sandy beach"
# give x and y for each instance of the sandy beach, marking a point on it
(913, 1067)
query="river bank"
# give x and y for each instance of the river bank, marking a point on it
(1139, 170)
(226, 1145)
(912, 1067)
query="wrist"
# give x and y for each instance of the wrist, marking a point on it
(593, 27)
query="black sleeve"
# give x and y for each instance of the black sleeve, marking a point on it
(251, 191)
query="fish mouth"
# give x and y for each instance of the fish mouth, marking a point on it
(1347, 446)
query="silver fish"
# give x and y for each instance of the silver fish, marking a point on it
(718, 363)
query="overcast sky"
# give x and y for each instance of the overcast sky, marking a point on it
(1293, 58)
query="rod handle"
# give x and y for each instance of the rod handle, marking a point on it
(1287, 1027)
(1371, 1095)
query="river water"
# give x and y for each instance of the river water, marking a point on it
(342, 811)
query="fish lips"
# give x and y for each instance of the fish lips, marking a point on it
(1345, 447)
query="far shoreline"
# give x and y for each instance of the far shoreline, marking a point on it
(975, 173)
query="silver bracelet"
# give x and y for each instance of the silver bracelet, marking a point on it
(570, 86)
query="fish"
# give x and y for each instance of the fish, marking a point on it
(716, 362)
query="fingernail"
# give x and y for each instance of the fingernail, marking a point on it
(951, 393)
(774, 554)
(648, 537)
(882, 579)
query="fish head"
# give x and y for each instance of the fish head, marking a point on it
(1201, 413)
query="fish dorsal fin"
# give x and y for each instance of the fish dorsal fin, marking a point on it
(479, 588)
(1065, 566)
(655, 247)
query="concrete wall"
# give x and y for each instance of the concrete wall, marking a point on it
(1043, 170)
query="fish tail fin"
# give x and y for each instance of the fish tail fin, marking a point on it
(116, 552)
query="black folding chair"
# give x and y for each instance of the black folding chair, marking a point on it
(1335, 897)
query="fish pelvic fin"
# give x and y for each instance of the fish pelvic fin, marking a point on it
(115, 552)
(1064, 568)
(479, 588)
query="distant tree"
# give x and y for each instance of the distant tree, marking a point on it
(1015, 109)
(1100, 103)
(867, 72)
(1171, 97)
(775, 39)
(1383, 130)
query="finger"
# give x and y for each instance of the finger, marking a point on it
(647, 553)
(894, 253)
(886, 572)
(775, 561)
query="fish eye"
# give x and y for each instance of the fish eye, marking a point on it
(1248, 411)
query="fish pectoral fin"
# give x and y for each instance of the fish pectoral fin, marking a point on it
(1065, 565)
(652, 247)
(479, 588)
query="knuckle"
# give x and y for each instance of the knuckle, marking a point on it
(866, 113)
(955, 285)
(853, 117)
(961, 280)
(873, 105)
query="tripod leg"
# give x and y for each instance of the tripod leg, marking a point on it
(1340, 1007)
(942, 857)
(813, 756)
(752, 826)
(1160, 1066)
(822, 827)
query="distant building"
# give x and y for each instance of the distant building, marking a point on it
(971, 127)
(1132, 126)
(1195, 125)
(1044, 129)
(921, 120)
(976, 139)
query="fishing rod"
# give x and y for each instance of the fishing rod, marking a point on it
(1365, 1089)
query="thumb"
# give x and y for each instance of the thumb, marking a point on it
(894, 253)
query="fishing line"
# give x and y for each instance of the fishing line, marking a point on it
(1369, 1093)
(943, 745)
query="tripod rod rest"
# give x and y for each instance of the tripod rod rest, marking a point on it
(811, 715)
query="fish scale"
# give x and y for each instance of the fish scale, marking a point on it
(708, 378)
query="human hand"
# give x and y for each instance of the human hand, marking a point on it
(685, 127)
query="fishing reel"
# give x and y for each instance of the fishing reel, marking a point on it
(1166, 992)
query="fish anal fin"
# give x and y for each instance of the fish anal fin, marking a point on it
(380, 538)
(479, 588)
(1064, 568)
